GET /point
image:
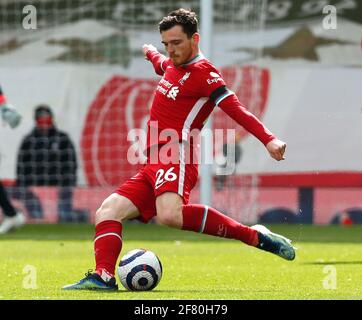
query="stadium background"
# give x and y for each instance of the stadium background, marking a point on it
(85, 61)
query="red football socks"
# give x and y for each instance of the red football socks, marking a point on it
(107, 245)
(203, 219)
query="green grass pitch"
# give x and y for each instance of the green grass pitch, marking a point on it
(37, 260)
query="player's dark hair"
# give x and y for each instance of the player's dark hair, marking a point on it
(182, 17)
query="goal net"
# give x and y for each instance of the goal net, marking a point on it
(238, 44)
(83, 59)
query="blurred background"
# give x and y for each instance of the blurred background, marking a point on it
(296, 64)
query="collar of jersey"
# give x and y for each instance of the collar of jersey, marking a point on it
(199, 57)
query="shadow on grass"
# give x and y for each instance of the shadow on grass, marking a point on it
(322, 263)
(208, 290)
(85, 232)
(152, 232)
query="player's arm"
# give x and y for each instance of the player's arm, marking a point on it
(2, 98)
(230, 104)
(158, 60)
(8, 114)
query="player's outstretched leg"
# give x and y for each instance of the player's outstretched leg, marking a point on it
(274, 243)
(203, 219)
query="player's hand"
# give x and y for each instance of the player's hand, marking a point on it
(148, 47)
(276, 149)
(10, 115)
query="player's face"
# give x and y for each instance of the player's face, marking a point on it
(179, 47)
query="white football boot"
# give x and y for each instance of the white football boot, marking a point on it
(10, 223)
(274, 243)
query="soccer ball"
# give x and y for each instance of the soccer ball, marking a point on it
(140, 270)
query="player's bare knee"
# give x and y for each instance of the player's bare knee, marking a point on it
(116, 208)
(118, 214)
(103, 214)
(169, 217)
(169, 210)
(167, 220)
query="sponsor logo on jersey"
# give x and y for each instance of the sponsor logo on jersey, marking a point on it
(215, 78)
(166, 83)
(163, 86)
(214, 74)
(161, 89)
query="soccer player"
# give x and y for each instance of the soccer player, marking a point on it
(190, 88)
(12, 217)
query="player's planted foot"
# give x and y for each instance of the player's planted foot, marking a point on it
(94, 281)
(274, 243)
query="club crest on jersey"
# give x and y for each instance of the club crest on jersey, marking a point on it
(184, 78)
(172, 94)
(215, 78)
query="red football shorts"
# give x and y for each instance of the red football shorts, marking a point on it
(153, 180)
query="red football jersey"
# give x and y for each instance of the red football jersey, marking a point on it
(187, 94)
